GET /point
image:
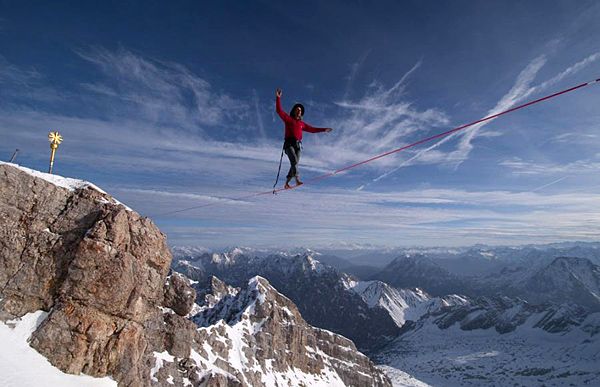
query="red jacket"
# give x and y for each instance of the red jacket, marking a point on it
(294, 127)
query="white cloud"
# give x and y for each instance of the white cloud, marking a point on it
(520, 90)
(151, 124)
(379, 121)
(155, 116)
(523, 167)
(431, 154)
(421, 217)
(161, 92)
(569, 71)
(354, 70)
(11, 74)
(576, 138)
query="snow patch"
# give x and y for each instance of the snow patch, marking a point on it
(161, 358)
(21, 365)
(66, 182)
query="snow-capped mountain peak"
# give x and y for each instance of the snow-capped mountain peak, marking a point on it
(260, 336)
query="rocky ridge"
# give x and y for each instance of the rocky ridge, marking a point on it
(319, 291)
(403, 305)
(419, 271)
(499, 341)
(102, 273)
(267, 329)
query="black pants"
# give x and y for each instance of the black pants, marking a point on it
(293, 149)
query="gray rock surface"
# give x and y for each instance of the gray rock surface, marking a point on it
(179, 295)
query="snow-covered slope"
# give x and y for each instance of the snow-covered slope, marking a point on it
(402, 304)
(22, 366)
(500, 342)
(564, 279)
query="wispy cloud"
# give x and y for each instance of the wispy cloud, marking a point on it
(11, 74)
(549, 184)
(523, 167)
(20, 85)
(382, 119)
(430, 155)
(518, 93)
(576, 138)
(569, 71)
(164, 93)
(415, 217)
(154, 115)
(354, 70)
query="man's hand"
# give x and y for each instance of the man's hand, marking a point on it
(278, 92)
(328, 130)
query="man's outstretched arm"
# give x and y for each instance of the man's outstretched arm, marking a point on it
(284, 116)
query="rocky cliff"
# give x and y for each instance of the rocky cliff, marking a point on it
(319, 291)
(102, 273)
(268, 329)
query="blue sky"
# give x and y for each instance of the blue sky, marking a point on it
(171, 106)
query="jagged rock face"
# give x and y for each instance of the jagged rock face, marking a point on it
(318, 290)
(102, 272)
(179, 295)
(97, 266)
(263, 331)
(403, 305)
(42, 225)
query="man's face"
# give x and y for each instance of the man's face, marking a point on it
(297, 112)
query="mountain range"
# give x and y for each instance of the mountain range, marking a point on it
(453, 330)
(319, 291)
(93, 287)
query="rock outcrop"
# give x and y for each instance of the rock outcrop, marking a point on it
(102, 273)
(98, 267)
(319, 291)
(267, 328)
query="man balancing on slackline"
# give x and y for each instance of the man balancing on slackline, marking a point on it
(292, 145)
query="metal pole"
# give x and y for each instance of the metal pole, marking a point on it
(55, 138)
(53, 152)
(14, 155)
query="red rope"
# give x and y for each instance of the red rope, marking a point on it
(439, 135)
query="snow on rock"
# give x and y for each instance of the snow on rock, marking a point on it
(499, 341)
(313, 287)
(67, 182)
(161, 358)
(401, 304)
(400, 378)
(256, 336)
(22, 366)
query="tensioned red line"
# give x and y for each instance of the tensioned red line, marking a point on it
(439, 135)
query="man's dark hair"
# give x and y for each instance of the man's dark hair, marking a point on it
(294, 108)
